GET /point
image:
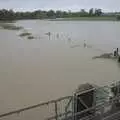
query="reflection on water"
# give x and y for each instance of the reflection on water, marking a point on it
(33, 71)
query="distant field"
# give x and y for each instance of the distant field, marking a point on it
(87, 19)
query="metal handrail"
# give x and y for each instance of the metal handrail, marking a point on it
(68, 113)
(34, 106)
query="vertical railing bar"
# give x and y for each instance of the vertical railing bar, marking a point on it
(56, 111)
(74, 107)
(66, 108)
(94, 98)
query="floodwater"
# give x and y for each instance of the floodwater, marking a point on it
(33, 71)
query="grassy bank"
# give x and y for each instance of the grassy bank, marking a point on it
(87, 19)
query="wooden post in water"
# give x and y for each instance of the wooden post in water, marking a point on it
(49, 34)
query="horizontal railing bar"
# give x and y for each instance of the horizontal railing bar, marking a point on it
(34, 106)
(60, 115)
(112, 115)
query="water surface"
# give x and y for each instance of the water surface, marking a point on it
(33, 71)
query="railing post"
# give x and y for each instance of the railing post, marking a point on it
(65, 113)
(74, 107)
(56, 114)
(66, 108)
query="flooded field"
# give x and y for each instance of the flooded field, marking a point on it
(45, 68)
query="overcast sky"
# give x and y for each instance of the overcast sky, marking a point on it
(74, 5)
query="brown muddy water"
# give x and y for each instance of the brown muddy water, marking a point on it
(42, 69)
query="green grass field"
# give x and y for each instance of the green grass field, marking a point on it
(86, 19)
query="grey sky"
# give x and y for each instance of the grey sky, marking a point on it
(75, 5)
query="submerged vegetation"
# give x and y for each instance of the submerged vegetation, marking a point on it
(24, 34)
(105, 55)
(30, 37)
(93, 14)
(10, 26)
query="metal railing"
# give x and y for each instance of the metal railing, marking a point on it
(43, 110)
(63, 109)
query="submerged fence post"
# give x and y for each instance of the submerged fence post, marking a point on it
(56, 112)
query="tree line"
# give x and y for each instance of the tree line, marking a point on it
(51, 14)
